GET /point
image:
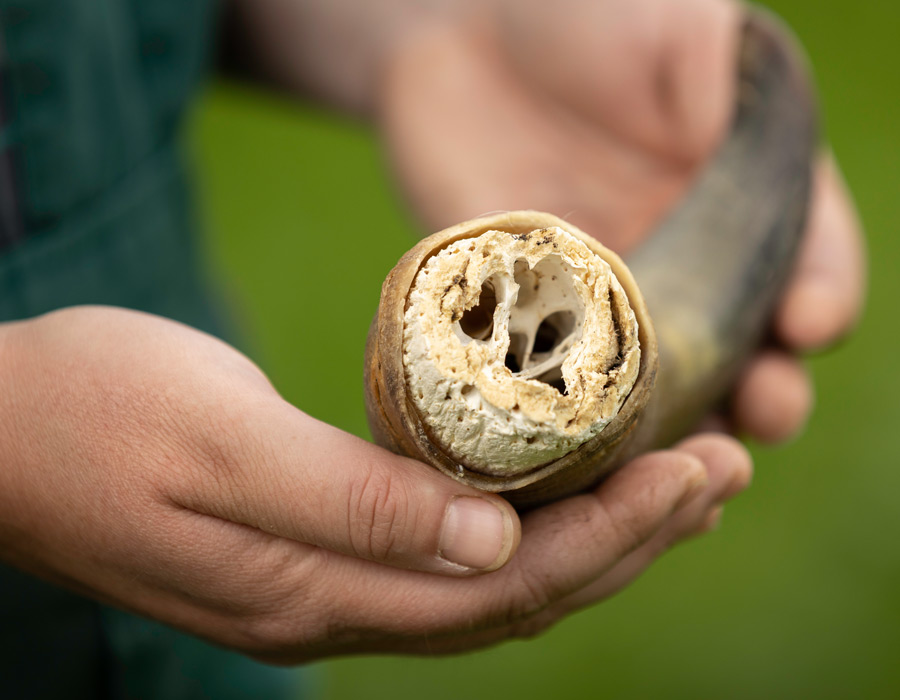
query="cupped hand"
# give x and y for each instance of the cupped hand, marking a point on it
(153, 467)
(603, 113)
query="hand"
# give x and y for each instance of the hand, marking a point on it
(155, 468)
(603, 112)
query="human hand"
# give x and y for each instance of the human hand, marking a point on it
(603, 113)
(155, 468)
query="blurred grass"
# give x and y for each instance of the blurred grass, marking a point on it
(795, 596)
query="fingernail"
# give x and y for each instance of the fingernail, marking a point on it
(713, 520)
(738, 483)
(814, 320)
(476, 534)
(698, 483)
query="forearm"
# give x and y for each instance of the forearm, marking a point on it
(336, 50)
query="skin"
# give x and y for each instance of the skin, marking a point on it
(153, 467)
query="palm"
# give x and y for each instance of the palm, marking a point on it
(604, 130)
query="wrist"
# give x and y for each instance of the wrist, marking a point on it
(338, 50)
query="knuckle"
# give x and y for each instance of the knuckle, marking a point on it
(532, 594)
(280, 606)
(268, 634)
(378, 513)
(625, 528)
(222, 445)
(533, 627)
(281, 632)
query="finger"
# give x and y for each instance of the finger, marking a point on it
(773, 398)
(825, 295)
(727, 462)
(658, 74)
(712, 522)
(564, 546)
(276, 469)
(730, 469)
(572, 542)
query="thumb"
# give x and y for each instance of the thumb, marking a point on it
(295, 477)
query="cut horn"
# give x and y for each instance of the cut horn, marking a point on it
(516, 354)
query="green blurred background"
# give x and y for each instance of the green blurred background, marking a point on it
(796, 596)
